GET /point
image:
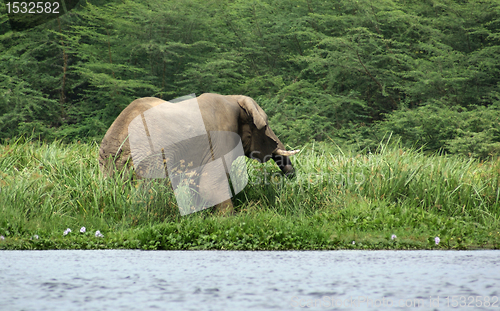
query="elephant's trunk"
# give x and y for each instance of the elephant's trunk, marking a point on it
(284, 164)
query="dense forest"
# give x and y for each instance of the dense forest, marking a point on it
(347, 71)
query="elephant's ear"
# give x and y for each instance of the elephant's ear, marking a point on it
(250, 106)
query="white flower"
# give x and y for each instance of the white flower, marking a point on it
(2, 238)
(393, 237)
(66, 231)
(82, 230)
(437, 240)
(36, 236)
(98, 234)
(353, 242)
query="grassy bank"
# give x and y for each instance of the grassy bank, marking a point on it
(337, 200)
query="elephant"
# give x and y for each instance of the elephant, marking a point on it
(229, 119)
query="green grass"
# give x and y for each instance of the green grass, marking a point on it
(336, 198)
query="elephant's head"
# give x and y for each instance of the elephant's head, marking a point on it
(259, 140)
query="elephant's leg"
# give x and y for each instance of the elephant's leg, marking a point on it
(214, 188)
(225, 208)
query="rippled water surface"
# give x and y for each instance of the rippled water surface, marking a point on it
(226, 280)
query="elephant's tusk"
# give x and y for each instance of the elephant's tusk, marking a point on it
(282, 152)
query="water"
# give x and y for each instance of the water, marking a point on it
(226, 280)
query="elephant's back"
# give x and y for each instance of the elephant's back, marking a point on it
(115, 142)
(219, 112)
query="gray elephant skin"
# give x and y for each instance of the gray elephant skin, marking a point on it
(220, 113)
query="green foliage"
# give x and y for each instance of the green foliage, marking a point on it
(335, 198)
(322, 70)
(423, 73)
(473, 133)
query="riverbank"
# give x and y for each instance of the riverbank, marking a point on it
(392, 198)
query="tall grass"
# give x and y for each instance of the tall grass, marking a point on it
(48, 187)
(52, 186)
(329, 178)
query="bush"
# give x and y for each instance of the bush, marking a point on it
(474, 133)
